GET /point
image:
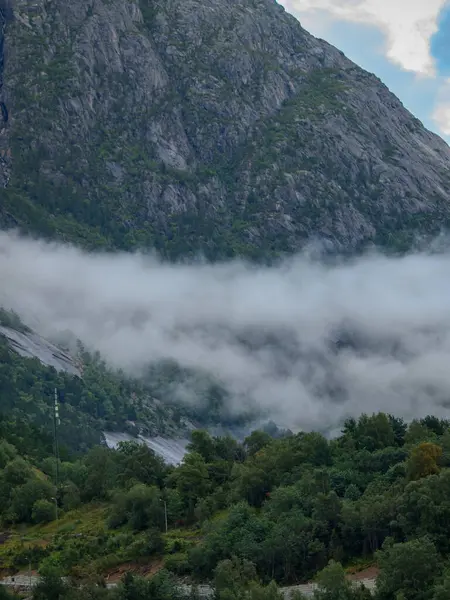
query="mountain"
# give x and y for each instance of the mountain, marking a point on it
(221, 127)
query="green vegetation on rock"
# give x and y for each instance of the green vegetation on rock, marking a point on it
(188, 130)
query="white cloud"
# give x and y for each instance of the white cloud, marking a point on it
(441, 112)
(441, 116)
(309, 342)
(408, 25)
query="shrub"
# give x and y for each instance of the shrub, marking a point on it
(43, 511)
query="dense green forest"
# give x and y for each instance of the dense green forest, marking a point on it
(240, 516)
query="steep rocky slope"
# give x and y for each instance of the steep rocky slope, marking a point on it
(31, 345)
(220, 126)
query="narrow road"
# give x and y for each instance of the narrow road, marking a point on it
(307, 589)
(26, 583)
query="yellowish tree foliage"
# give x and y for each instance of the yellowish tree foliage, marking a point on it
(423, 460)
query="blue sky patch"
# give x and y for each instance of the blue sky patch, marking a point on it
(440, 43)
(395, 41)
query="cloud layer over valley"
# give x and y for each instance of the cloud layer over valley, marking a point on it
(311, 342)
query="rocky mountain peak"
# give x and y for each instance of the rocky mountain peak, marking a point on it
(219, 127)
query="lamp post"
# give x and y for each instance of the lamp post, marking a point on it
(56, 508)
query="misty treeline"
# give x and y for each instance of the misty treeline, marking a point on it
(245, 514)
(101, 400)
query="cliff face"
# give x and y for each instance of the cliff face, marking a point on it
(219, 126)
(6, 16)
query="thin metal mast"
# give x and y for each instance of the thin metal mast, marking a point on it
(56, 423)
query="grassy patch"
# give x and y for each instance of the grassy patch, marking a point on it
(80, 540)
(36, 542)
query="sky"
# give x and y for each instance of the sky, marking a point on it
(406, 43)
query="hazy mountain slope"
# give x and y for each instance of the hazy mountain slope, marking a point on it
(99, 401)
(220, 126)
(96, 399)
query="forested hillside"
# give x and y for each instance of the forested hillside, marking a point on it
(98, 400)
(267, 510)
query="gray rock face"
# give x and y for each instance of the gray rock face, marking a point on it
(171, 450)
(220, 126)
(32, 345)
